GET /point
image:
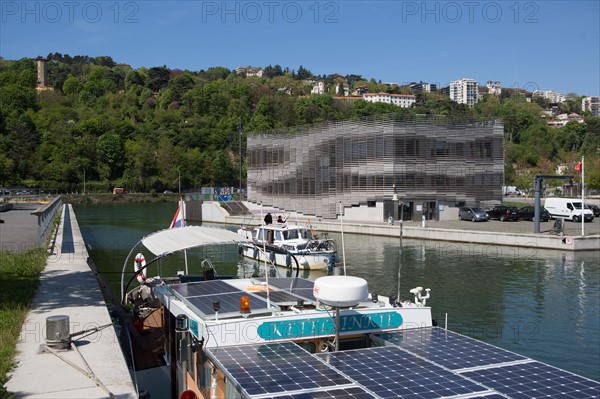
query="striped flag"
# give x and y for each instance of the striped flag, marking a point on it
(179, 218)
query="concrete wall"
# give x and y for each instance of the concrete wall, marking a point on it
(212, 212)
(374, 214)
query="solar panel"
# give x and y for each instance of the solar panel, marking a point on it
(289, 283)
(280, 297)
(535, 379)
(296, 286)
(187, 290)
(273, 369)
(347, 393)
(390, 372)
(448, 349)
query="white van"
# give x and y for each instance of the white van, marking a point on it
(568, 208)
(511, 190)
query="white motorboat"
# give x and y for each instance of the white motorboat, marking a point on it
(287, 244)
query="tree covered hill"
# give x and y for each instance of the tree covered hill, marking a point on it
(143, 128)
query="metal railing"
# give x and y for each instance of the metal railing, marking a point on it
(45, 215)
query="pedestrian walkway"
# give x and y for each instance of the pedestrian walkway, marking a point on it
(68, 288)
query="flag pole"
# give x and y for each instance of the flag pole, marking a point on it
(264, 238)
(582, 196)
(183, 216)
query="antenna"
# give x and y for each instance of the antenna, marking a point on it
(264, 238)
(400, 245)
(342, 228)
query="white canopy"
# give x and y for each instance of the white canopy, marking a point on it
(178, 239)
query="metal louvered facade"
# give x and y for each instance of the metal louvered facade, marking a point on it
(311, 169)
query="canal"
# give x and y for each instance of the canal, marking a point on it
(540, 303)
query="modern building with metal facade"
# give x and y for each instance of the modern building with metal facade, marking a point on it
(432, 163)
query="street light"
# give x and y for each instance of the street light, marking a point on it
(240, 145)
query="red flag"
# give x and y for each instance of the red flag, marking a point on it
(578, 167)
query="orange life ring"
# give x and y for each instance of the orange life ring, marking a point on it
(138, 263)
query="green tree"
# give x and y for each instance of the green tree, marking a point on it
(158, 77)
(110, 155)
(71, 85)
(591, 141)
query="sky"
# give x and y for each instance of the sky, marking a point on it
(532, 45)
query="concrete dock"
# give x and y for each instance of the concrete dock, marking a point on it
(69, 288)
(494, 232)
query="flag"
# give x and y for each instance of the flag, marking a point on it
(178, 219)
(578, 166)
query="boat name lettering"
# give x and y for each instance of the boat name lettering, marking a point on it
(326, 325)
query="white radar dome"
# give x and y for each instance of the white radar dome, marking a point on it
(340, 291)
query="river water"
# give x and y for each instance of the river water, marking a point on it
(540, 303)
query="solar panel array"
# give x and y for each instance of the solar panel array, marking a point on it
(202, 295)
(390, 372)
(448, 349)
(535, 380)
(272, 369)
(422, 363)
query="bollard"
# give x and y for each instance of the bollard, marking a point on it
(423, 221)
(57, 332)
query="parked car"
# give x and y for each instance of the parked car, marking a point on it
(473, 214)
(528, 213)
(504, 212)
(594, 208)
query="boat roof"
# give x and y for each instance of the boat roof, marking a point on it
(178, 239)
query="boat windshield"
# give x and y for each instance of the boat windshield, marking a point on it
(291, 234)
(271, 235)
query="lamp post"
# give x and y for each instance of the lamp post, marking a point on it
(240, 145)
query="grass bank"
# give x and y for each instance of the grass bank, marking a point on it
(19, 279)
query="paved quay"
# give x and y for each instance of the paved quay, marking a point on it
(18, 233)
(69, 288)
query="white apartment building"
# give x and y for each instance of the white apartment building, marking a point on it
(591, 104)
(249, 71)
(464, 91)
(550, 95)
(318, 88)
(562, 119)
(423, 87)
(494, 88)
(400, 100)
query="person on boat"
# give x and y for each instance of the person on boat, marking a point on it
(268, 219)
(280, 219)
